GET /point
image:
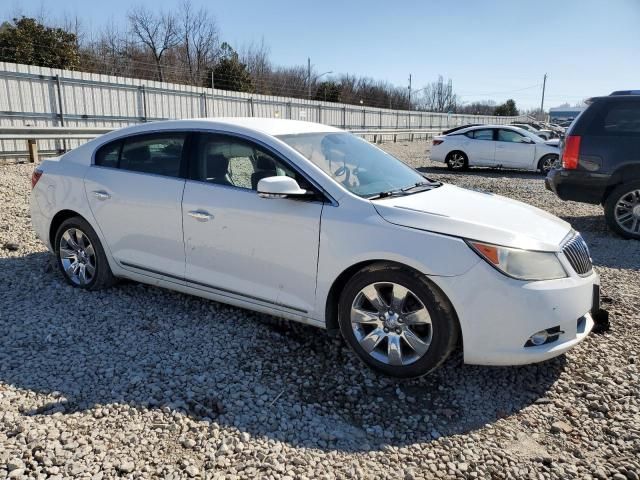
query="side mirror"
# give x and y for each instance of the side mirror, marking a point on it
(526, 140)
(279, 187)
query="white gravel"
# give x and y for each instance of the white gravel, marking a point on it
(139, 382)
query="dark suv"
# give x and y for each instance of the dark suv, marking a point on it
(601, 160)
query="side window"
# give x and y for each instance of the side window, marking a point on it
(234, 162)
(107, 155)
(484, 134)
(509, 136)
(159, 154)
(622, 119)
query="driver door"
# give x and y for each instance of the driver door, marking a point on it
(512, 151)
(239, 244)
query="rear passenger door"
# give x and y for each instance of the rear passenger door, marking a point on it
(134, 188)
(482, 147)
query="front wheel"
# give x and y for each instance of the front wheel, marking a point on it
(622, 210)
(547, 163)
(396, 321)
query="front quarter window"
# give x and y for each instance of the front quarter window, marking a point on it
(360, 167)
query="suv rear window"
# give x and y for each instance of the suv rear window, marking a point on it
(617, 118)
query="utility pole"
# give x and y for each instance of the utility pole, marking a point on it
(544, 85)
(409, 91)
(309, 77)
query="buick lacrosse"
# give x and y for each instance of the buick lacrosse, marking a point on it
(313, 224)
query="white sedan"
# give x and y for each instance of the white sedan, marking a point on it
(495, 146)
(310, 223)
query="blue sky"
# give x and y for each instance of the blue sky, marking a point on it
(491, 49)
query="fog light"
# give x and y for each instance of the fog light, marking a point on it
(539, 338)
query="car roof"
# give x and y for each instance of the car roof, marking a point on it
(481, 127)
(271, 126)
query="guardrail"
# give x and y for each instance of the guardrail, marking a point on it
(32, 134)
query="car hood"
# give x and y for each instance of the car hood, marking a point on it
(554, 142)
(475, 215)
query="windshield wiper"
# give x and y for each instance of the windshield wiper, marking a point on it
(422, 185)
(388, 193)
(415, 188)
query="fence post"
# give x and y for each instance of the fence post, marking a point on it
(319, 113)
(60, 109)
(143, 96)
(380, 119)
(344, 117)
(397, 122)
(364, 118)
(204, 103)
(289, 110)
(32, 147)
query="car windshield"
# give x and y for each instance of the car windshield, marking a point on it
(354, 163)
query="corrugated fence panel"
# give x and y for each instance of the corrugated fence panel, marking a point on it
(31, 95)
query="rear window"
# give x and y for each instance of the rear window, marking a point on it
(616, 119)
(107, 155)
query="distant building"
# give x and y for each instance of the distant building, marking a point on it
(564, 114)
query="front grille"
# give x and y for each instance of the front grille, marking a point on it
(577, 253)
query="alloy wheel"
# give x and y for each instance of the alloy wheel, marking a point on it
(391, 323)
(456, 160)
(78, 256)
(548, 163)
(627, 212)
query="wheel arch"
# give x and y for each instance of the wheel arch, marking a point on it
(57, 220)
(629, 172)
(331, 305)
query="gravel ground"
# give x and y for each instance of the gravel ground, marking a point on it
(140, 382)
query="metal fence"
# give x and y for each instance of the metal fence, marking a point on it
(44, 97)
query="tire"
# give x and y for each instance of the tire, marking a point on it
(457, 161)
(427, 315)
(76, 243)
(547, 163)
(622, 210)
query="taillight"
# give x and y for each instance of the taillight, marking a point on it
(571, 152)
(35, 176)
(437, 142)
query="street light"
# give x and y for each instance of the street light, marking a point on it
(315, 79)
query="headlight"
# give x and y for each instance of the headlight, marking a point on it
(520, 264)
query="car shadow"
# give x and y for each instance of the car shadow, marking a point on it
(154, 349)
(482, 172)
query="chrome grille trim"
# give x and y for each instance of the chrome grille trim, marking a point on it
(577, 253)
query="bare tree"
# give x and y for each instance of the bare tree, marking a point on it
(439, 97)
(256, 58)
(157, 32)
(199, 42)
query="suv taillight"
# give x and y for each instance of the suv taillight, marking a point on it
(437, 142)
(35, 176)
(571, 152)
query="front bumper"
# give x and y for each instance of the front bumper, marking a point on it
(498, 314)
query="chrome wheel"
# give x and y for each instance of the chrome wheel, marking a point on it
(627, 212)
(391, 323)
(77, 256)
(548, 163)
(456, 161)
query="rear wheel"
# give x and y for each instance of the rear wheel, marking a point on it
(547, 163)
(457, 161)
(396, 321)
(80, 256)
(622, 210)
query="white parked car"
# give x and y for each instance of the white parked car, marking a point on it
(495, 146)
(311, 223)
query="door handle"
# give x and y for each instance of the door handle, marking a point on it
(201, 215)
(101, 195)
